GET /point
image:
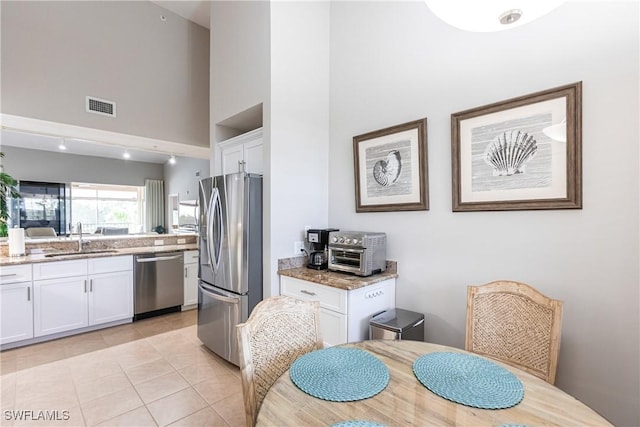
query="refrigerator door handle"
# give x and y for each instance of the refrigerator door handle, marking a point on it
(220, 228)
(220, 297)
(210, 230)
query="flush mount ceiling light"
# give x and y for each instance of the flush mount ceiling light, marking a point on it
(62, 146)
(487, 16)
(172, 160)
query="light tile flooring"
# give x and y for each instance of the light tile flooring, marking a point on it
(154, 372)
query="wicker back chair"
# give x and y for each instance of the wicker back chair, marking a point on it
(515, 324)
(278, 331)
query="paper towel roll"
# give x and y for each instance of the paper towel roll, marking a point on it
(16, 241)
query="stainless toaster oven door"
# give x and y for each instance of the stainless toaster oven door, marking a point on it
(347, 259)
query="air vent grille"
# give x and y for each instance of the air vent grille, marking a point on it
(100, 106)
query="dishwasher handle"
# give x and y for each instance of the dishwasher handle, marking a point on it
(160, 258)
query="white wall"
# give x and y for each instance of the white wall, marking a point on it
(56, 53)
(299, 108)
(48, 166)
(183, 177)
(393, 62)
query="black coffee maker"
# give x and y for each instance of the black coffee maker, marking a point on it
(318, 239)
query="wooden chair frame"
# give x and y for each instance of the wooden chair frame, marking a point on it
(506, 328)
(284, 309)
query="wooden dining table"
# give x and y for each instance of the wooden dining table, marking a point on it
(406, 402)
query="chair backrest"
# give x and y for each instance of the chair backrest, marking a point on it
(515, 324)
(278, 331)
(40, 232)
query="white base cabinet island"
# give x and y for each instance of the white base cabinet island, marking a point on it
(344, 313)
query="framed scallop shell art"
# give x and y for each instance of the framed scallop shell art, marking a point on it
(522, 153)
(391, 168)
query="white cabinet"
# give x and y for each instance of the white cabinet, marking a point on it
(110, 297)
(78, 293)
(190, 278)
(344, 314)
(243, 152)
(60, 305)
(16, 311)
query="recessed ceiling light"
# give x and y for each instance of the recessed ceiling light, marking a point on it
(172, 160)
(126, 155)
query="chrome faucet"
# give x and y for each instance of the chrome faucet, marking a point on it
(79, 238)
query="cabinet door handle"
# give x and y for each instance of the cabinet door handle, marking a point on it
(28, 294)
(91, 285)
(85, 286)
(8, 275)
(308, 293)
(185, 272)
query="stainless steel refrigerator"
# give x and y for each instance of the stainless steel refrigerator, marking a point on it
(230, 271)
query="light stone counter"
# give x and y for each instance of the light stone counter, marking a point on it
(38, 249)
(295, 267)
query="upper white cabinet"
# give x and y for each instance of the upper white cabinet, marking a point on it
(243, 152)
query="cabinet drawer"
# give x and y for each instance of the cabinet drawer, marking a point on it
(15, 273)
(55, 270)
(110, 264)
(330, 298)
(190, 257)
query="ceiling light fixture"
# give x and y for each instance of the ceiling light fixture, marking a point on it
(498, 15)
(62, 146)
(126, 155)
(172, 160)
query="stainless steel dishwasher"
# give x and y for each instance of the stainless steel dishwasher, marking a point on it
(159, 285)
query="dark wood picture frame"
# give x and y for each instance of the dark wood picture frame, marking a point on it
(518, 154)
(390, 168)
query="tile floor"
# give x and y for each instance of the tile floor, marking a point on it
(154, 372)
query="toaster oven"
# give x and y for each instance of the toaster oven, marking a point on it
(358, 252)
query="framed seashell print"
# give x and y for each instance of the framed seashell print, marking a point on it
(390, 168)
(522, 153)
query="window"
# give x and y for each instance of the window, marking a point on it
(108, 209)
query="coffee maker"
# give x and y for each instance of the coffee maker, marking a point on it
(318, 239)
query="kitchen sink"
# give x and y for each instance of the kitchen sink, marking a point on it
(84, 252)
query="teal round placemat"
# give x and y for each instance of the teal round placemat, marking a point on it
(468, 380)
(339, 374)
(357, 423)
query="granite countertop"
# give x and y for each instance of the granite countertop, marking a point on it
(41, 257)
(290, 267)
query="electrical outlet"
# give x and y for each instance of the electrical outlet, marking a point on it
(298, 247)
(182, 241)
(158, 242)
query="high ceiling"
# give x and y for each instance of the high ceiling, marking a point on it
(195, 11)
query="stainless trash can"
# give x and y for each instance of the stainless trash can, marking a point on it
(397, 324)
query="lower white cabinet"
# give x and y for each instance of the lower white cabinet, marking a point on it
(16, 312)
(344, 314)
(79, 300)
(191, 278)
(110, 297)
(60, 305)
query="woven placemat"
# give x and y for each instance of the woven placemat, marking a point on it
(357, 423)
(339, 374)
(468, 380)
